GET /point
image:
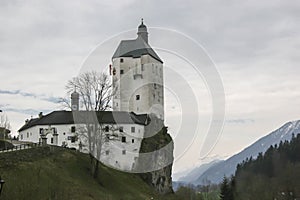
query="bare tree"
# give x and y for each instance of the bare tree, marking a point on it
(96, 92)
(4, 126)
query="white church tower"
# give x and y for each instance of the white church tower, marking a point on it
(138, 76)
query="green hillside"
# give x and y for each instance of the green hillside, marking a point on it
(5, 145)
(56, 173)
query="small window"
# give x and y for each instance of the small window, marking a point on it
(52, 140)
(137, 97)
(121, 60)
(133, 129)
(124, 152)
(73, 129)
(123, 139)
(142, 67)
(106, 128)
(121, 71)
(132, 140)
(64, 133)
(27, 134)
(121, 129)
(41, 131)
(54, 130)
(21, 136)
(155, 86)
(107, 152)
(73, 139)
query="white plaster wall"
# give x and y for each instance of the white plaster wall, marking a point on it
(63, 131)
(115, 146)
(128, 85)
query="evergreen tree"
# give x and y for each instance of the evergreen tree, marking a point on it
(226, 193)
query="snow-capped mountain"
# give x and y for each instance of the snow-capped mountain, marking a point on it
(216, 172)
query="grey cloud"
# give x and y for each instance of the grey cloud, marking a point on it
(239, 121)
(31, 112)
(27, 94)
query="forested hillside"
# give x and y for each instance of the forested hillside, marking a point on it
(273, 175)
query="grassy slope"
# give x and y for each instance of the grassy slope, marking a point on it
(44, 173)
(5, 145)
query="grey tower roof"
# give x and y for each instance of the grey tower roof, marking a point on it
(135, 48)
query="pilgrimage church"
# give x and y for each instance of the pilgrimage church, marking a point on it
(137, 77)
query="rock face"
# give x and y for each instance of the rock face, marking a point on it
(161, 179)
(156, 157)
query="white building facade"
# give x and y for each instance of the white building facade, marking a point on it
(137, 75)
(121, 132)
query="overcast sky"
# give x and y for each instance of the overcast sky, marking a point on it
(253, 44)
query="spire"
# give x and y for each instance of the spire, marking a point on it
(142, 31)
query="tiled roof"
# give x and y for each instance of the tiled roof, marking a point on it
(135, 48)
(81, 117)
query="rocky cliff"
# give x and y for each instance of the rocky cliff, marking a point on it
(156, 157)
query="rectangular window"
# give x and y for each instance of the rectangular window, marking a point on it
(52, 140)
(133, 129)
(121, 60)
(124, 152)
(73, 139)
(132, 140)
(41, 131)
(21, 136)
(121, 129)
(73, 129)
(27, 134)
(123, 139)
(54, 130)
(121, 71)
(142, 67)
(137, 97)
(106, 128)
(155, 86)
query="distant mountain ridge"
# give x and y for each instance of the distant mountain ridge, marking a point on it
(228, 167)
(193, 175)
